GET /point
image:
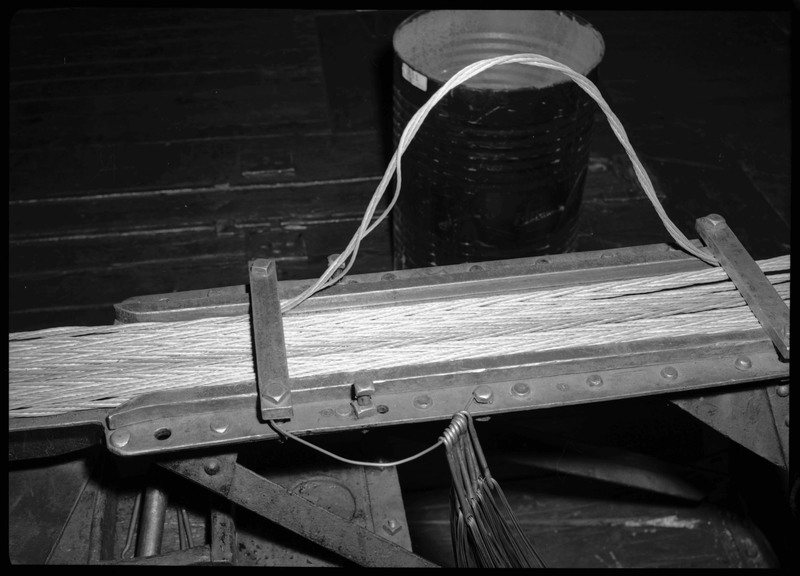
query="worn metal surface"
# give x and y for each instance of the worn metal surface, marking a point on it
(196, 555)
(386, 505)
(34, 437)
(274, 502)
(745, 416)
(72, 546)
(423, 283)
(272, 370)
(222, 533)
(758, 292)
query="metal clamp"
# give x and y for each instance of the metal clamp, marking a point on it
(272, 370)
(363, 390)
(758, 292)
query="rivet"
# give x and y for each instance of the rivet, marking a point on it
(219, 426)
(520, 389)
(782, 390)
(120, 438)
(392, 526)
(594, 380)
(669, 373)
(476, 268)
(424, 401)
(743, 363)
(483, 394)
(275, 392)
(388, 276)
(344, 410)
(211, 467)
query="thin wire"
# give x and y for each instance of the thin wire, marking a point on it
(287, 434)
(347, 460)
(368, 224)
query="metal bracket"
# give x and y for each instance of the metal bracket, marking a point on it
(363, 390)
(222, 475)
(272, 370)
(758, 292)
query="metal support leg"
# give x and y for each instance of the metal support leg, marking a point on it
(154, 509)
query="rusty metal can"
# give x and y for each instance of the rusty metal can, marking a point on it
(497, 169)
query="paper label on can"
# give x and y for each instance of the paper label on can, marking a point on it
(414, 77)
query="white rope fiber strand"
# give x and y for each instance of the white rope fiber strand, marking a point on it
(78, 368)
(368, 223)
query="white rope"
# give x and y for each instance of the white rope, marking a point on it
(340, 265)
(76, 368)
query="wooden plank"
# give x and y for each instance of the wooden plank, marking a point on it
(95, 36)
(294, 205)
(178, 79)
(175, 115)
(71, 288)
(102, 169)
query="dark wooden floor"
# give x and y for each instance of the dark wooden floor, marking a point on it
(159, 150)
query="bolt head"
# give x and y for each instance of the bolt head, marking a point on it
(476, 268)
(120, 438)
(520, 389)
(388, 276)
(211, 467)
(715, 219)
(782, 390)
(424, 401)
(743, 363)
(275, 391)
(392, 526)
(483, 394)
(363, 387)
(670, 373)
(594, 380)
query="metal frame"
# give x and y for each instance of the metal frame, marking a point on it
(712, 371)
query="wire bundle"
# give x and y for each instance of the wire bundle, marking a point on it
(484, 531)
(341, 263)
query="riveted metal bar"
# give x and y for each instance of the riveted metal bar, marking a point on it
(758, 292)
(637, 372)
(272, 370)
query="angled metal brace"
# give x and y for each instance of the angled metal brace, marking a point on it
(222, 475)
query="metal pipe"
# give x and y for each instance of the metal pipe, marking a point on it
(151, 530)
